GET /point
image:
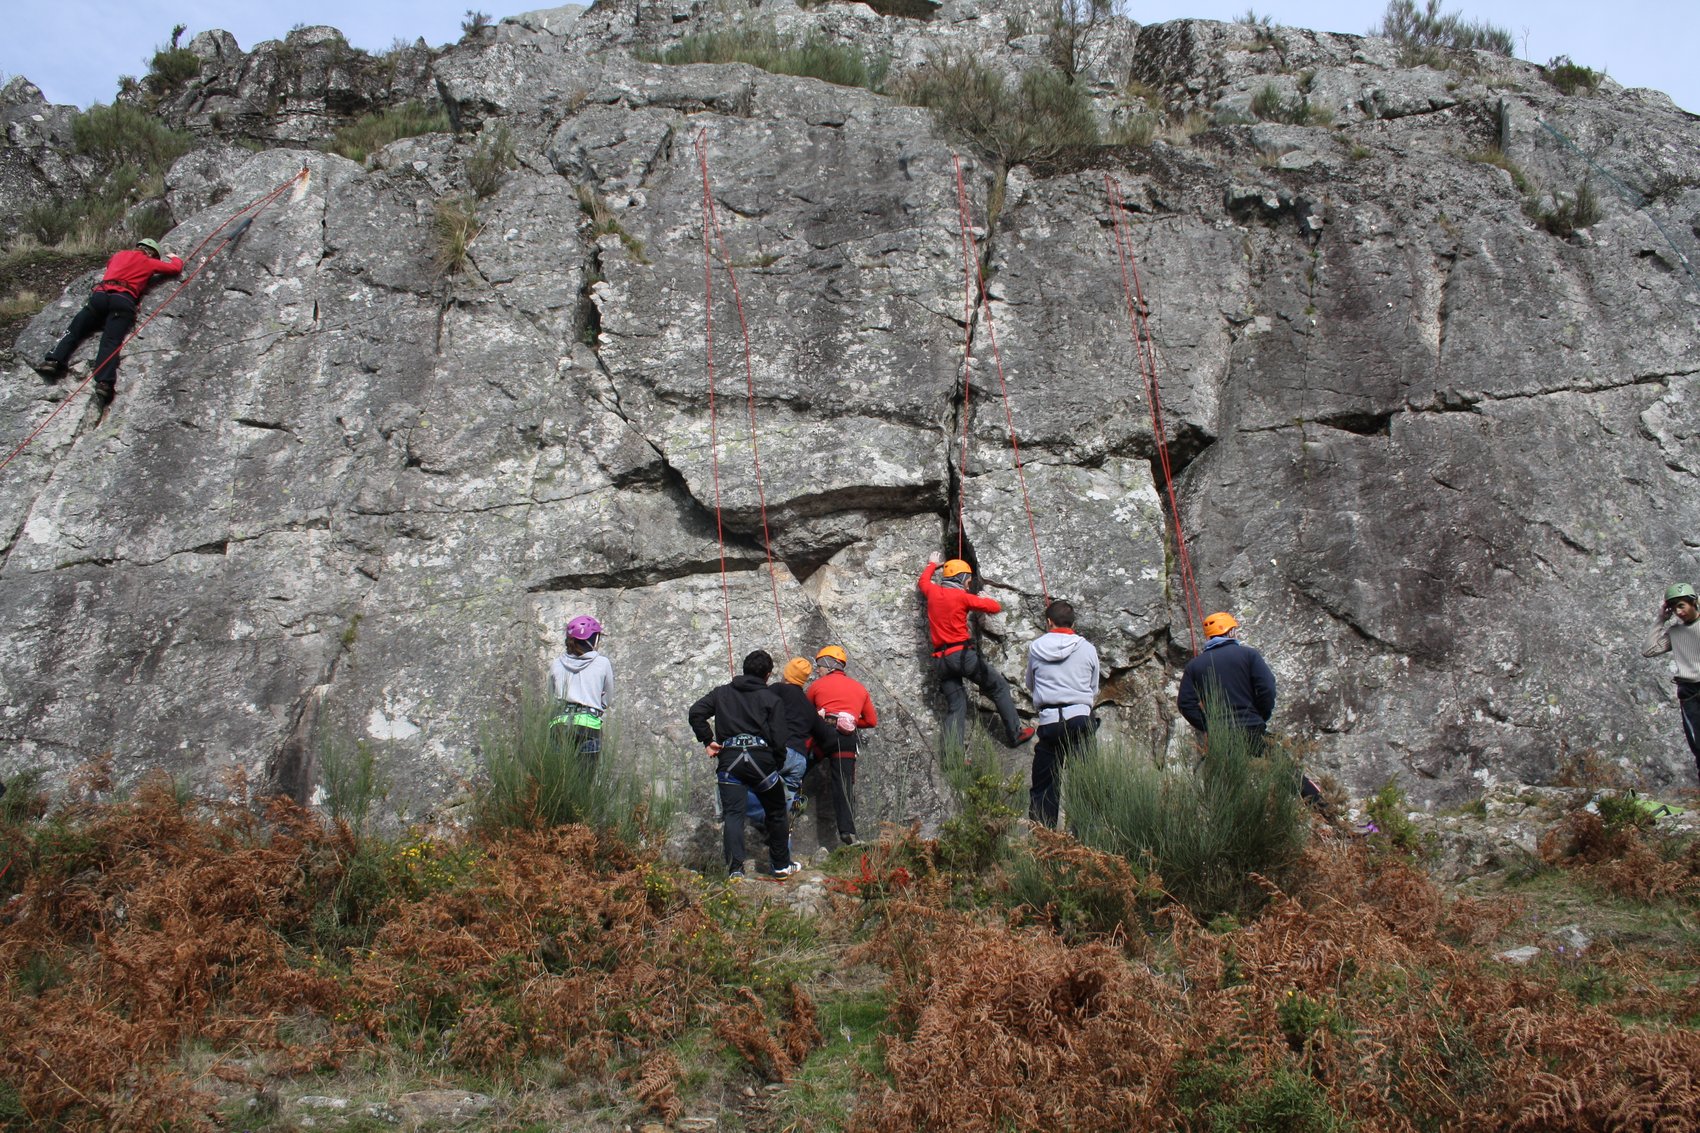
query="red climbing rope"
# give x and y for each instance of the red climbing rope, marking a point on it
(985, 305)
(964, 226)
(713, 423)
(711, 221)
(256, 206)
(1145, 351)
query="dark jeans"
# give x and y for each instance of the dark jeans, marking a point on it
(967, 665)
(1055, 744)
(737, 772)
(588, 741)
(113, 313)
(1688, 698)
(841, 774)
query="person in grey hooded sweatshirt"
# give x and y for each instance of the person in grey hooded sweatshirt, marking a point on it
(1062, 675)
(583, 682)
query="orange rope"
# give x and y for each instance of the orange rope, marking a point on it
(965, 228)
(1145, 351)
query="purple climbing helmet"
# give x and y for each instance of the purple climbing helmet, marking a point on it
(584, 628)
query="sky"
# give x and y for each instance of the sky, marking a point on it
(74, 50)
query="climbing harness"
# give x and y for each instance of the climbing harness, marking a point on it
(975, 301)
(711, 233)
(249, 212)
(1145, 354)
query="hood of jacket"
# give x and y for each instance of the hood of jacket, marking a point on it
(578, 664)
(1054, 647)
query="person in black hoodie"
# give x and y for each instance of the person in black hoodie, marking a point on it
(746, 743)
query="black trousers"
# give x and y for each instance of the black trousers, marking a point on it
(1688, 698)
(737, 772)
(112, 313)
(841, 774)
(1053, 747)
(967, 665)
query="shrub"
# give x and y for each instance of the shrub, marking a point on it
(977, 835)
(357, 140)
(149, 221)
(1572, 77)
(121, 135)
(474, 22)
(490, 163)
(534, 780)
(1081, 892)
(1567, 213)
(1495, 156)
(1389, 826)
(1203, 831)
(454, 226)
(349, 774)
(813, 58)
(1045, 118)
(1427, 37)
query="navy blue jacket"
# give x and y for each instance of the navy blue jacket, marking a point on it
(1242, 677)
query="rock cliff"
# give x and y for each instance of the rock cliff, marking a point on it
(1438, 459)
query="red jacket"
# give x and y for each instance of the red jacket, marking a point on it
(131, 270)
(838, 692)
(947, 611)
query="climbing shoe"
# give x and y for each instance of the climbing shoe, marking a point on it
(104, 392)
(1023, 736)
(789, 869)
(50, 368)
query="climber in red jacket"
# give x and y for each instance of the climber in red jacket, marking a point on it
(112, 310)
(956, 659)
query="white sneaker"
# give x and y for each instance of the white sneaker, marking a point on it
(790, 869)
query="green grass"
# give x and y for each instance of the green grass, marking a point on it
(121, 135)
(813, 58)
(1042, 118)
(1204, 831)
(824, 1088)
(1572, 78)
(360, 138)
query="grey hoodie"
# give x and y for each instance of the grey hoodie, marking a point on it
(1062, 675)
(587, 680)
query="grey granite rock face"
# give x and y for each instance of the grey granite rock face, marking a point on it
(1438, 460)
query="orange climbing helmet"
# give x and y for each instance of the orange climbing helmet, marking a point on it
(1219, 623)
(835, 652)
(954, 567)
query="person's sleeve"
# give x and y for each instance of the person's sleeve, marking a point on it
(1658, 641)
(699, 717)
(1097, 675)
(776, 729)
(984, 605)
(1032, 667)
(869, 718)
(926, 581)
(1187, 701)
(166, 267)
(1262, 687)
(607, 683)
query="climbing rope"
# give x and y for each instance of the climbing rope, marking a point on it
(1145, 352)
(711, 226)
(964, 226)
(983, 304)
(256, 206)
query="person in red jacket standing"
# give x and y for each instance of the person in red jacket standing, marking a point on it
(112, 310)
(845, 703)
(955, 656)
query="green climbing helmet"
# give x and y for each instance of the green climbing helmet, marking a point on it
(150, 245)
(1681, 590)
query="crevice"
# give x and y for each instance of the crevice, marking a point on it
(271, 426)
(218, 547)
(1364, 424)
(636, 577)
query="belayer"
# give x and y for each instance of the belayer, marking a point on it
(747, 743)
(844, 702)
(111, 309)
(1677, 631)
(583, 683)
(956, 658)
